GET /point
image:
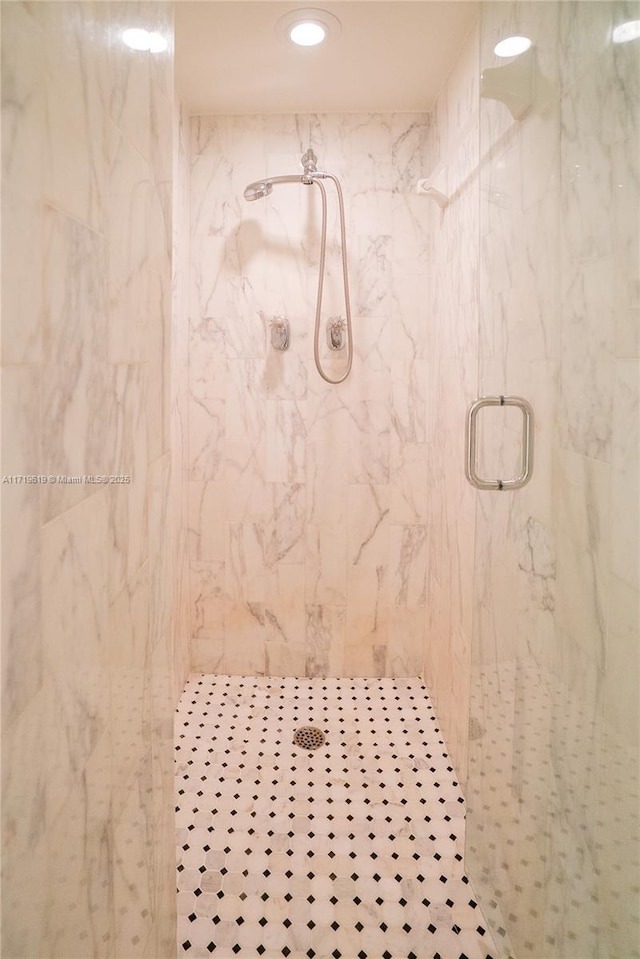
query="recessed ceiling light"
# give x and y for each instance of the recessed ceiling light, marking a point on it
(512, 46)
(626, 32)
(308, 28)
(138, 39)
(308, 33)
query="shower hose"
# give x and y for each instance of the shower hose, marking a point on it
(314, 178)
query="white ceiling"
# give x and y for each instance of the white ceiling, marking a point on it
(391, 56)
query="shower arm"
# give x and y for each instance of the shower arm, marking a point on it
(287, 178)
(315, 177)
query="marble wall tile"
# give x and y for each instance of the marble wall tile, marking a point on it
(286, 441)
(625, 470)
(76, 90)
(408, 400)
(326, 563)
(368, 527)
(208, 656)
(434, 552)
(178, 402)
(405, 336)
(128, 511)
(129, 82)
(407, 565)
(302, 470)
(620, 680)
(22, 650)
(161, 134)
(208, 358)
(405, 648)
(27, 930)
(80, 865)
(327, 479)
(162, 549)
(408, 470)
(367, 626)
(587, 184)
(75, 639)
(159, 375)
(207, 516)
(246, 571)
(22, 293)
(161, 193)
(284, 525)
(87, 599)
(129, 686)
(227, 134)
(583, 551)
(75, 379)
(285, 606)
(128, 239)
(555, 576)
(25, 837)
(371, 437)
(208, 593)
(584, 36)
(206, 439)
(627, 238)
(285, 659)
(24, 101)
(161, 19)
(244, 647)
(325, 640)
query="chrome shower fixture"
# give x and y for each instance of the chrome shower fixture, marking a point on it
(310, 176)
(309, 161)
(280, 333)
(255, 191)
(335, 333)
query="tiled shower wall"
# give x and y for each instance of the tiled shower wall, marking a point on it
(179, 393)
(553, 773)
(451, 384)
(90, 670)
(307, 507)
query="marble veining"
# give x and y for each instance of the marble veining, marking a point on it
(553, 722)
(94, 640)
(287, 472)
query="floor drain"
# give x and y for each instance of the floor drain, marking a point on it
(309, 737)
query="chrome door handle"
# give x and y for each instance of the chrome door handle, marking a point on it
(526, 458)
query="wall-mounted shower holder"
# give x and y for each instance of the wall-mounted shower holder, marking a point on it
(436, 186)
(336, 338)
(280, 333)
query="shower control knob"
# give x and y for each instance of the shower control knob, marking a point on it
(336, 333)
(280, 333)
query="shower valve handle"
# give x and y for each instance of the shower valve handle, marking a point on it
(336, 333)
(280, 333)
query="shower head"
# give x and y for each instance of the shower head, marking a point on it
(255, 191)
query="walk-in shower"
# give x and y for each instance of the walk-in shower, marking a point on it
(309, 176)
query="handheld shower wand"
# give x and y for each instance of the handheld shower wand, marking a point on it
(311, 175)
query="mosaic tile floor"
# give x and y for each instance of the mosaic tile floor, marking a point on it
(350, 851)
(566, 788)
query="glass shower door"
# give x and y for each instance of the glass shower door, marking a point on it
(552, 830)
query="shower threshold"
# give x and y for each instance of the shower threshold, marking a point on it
(353, 849)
